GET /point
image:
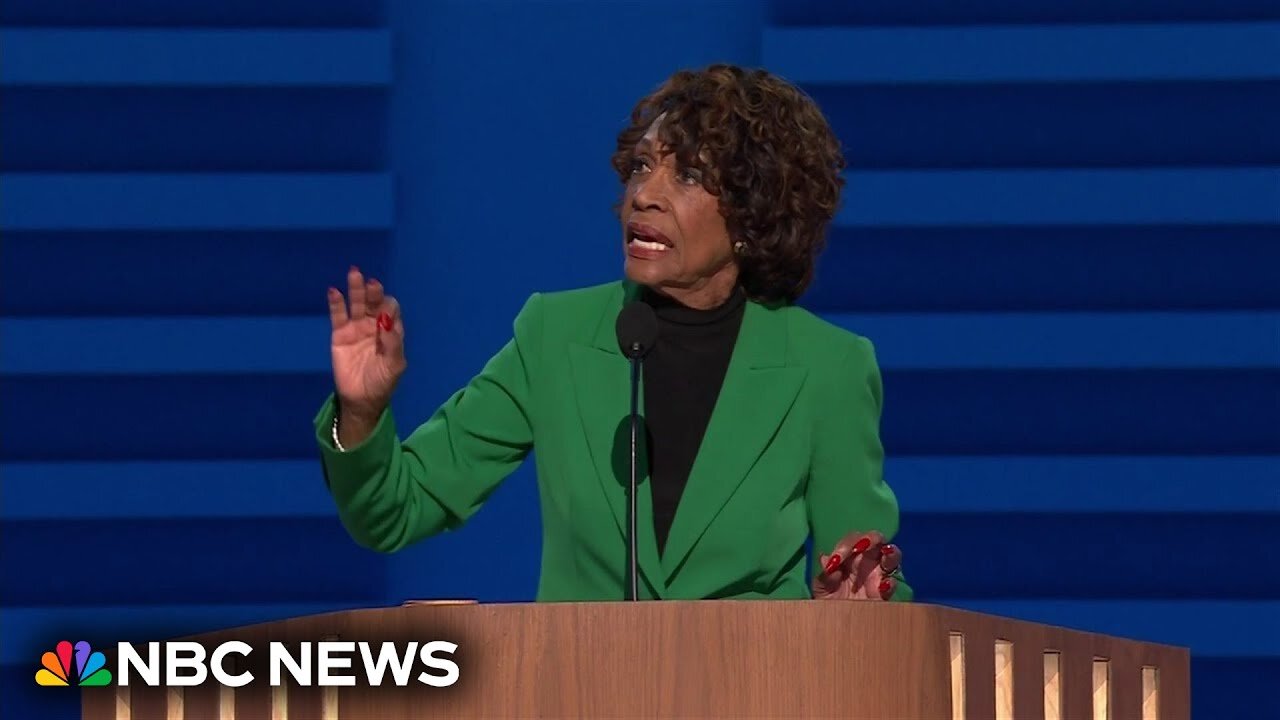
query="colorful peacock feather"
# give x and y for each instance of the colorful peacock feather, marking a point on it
(90, 666)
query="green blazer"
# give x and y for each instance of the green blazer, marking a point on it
(792, 451)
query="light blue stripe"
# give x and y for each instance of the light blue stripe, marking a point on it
(215, 488)
(1019, 54)
(1085, 484)
(910, 341)
(225, 201)
(948, 198)
(217, 58)
(1210, 628)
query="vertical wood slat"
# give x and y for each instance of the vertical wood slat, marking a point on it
(329, 695)
(1004, 668)
(1150, 693)
(280, 702)
(1052, 685)
(124, 703)
(957, 676)
(1101, 689)
(226, 703)
(174, 704)
(329, 703)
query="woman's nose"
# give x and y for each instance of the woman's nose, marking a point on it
(650, 194)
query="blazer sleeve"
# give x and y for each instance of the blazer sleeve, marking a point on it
(390, 493)
(846, 490)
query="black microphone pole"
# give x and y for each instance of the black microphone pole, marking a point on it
(633, 574)
(637, 329)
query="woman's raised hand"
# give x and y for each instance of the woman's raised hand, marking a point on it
(367, 346)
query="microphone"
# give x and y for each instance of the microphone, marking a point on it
(637, 329)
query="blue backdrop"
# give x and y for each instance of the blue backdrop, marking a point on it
(1064, 220)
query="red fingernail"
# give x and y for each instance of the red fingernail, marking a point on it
(862, 546)
(884, 587)
(833, 563)
(384, 321)
(888, 550)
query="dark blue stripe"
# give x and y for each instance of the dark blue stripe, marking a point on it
(947, 12)
(242, 130)
(985, 485)
(1076, 341)
(176, 266)
(24, 699)
(1135, 556)
(186, 560)
(1041, 268)
(1061, 125)
(1086, 485)
(1075, 198)
(1233, 688)
(161, 418)
(968, 413)
(1176, 412)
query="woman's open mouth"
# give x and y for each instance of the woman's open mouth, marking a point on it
(646, 241)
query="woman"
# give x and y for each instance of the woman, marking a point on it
(762, 419)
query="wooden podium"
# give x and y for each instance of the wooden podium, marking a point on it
(705, 659)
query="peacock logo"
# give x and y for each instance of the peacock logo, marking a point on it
(90, 666)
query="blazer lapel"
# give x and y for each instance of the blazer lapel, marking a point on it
(756, 396)
(602, 383)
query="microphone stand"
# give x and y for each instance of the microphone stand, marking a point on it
(637, 329)
(633, 576)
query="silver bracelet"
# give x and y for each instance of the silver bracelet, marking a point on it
(336, 442)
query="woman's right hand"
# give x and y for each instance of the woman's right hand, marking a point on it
(367, 346)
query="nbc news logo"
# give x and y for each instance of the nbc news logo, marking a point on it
(185, 663)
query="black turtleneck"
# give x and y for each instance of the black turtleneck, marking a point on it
(683, 374)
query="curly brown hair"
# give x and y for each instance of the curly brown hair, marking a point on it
(768, 154)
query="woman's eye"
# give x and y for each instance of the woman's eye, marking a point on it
(638, 165)
(691, 176)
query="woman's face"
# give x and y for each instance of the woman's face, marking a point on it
(675, 240)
